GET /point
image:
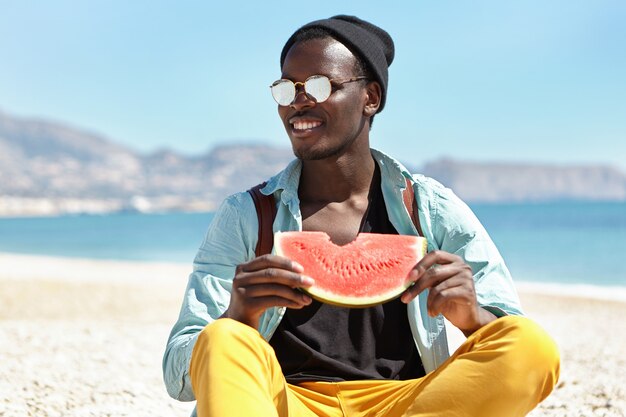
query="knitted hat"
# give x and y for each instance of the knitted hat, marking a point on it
(370, 42)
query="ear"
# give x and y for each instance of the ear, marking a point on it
(372, 99)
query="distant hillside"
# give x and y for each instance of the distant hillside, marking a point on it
(499, 182)
(50, 168)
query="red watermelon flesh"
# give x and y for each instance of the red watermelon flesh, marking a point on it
(370, 270)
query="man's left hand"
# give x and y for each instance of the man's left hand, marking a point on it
(451, 290)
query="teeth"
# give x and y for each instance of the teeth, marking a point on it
(305, 125)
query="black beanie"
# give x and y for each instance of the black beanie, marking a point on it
(370, 42)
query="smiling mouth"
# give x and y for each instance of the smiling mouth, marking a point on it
(305, 125)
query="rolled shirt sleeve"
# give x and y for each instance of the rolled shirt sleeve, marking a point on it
(227, 243)
(455, 228)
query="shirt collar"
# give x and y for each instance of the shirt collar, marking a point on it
(392, 169)
(287, 180)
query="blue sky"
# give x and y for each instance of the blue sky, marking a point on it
(540, 81)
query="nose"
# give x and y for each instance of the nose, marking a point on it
(302, 100)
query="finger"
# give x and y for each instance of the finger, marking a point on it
(260, 291)
(433, 258)
(432, 277)
(416, 275)
(271, 261)
(436, 275)
(409, 294)
(275, 276)
(455, 290)
(263, 303)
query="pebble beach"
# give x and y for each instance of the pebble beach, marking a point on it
(85, 338)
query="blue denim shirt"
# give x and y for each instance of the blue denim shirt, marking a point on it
(447, 223)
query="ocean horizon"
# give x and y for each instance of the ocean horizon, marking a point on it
(574, 243)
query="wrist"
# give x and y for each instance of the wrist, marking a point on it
(484, 317)
(252, 322)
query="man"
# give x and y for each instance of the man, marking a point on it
(249, 343)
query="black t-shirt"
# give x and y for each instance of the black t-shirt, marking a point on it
(321, 342)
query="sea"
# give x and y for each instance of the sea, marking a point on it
(580, 243)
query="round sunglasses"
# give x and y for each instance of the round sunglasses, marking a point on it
(318, 87)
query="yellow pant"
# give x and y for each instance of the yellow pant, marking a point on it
(504, 369)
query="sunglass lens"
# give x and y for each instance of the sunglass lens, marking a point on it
(318, 87)
(283, 92)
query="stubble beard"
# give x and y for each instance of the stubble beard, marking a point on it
(319, 154)
(311, 154)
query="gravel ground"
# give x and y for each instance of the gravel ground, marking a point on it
(592, 338)
(93, 347)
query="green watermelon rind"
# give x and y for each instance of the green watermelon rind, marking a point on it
(359, 302)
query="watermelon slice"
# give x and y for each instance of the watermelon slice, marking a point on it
(370, 270)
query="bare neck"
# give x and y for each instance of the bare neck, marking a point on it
(337, 179)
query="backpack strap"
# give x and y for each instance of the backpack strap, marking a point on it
(411, 206)
(266, 213)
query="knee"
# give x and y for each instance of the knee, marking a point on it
(225, 328)
(533, 353)
(219, 340)
(531, 341)
(225, 332)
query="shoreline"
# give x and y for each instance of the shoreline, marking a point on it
(585, 291)
(27, 266)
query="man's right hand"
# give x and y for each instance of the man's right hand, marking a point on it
(264, 282)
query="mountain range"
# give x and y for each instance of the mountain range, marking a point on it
(50, 168)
